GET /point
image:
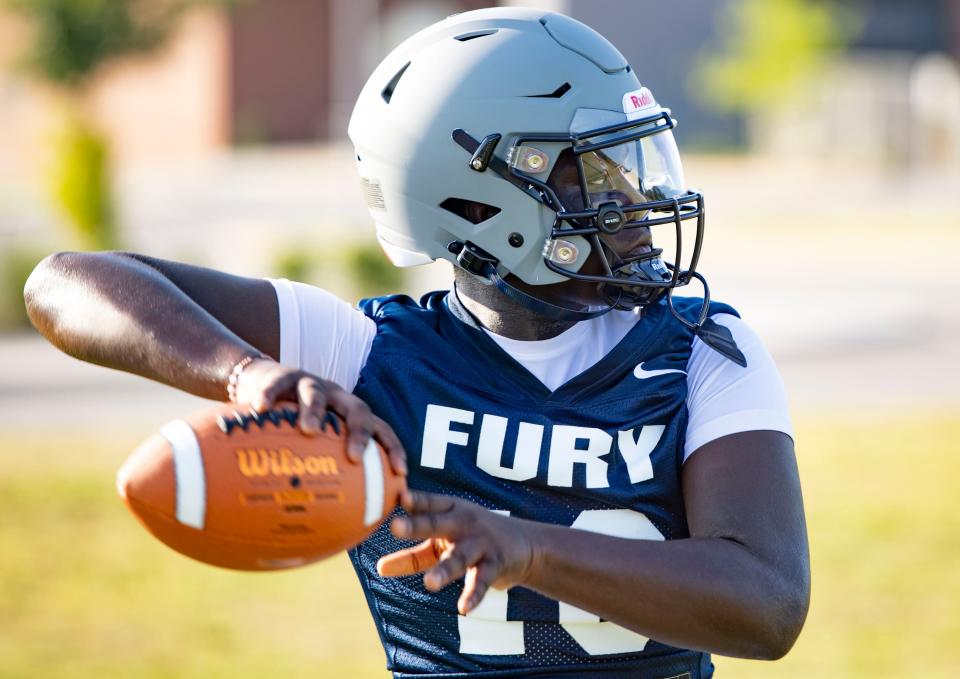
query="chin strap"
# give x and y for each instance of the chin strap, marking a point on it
(552, 311)
(476, 261)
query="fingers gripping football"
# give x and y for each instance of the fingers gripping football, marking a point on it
(312, 402)
(264, 383)
(460, 540)
(358, 416)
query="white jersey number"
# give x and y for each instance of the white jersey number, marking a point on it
(486, 631)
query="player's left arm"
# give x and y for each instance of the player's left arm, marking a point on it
(739, 586)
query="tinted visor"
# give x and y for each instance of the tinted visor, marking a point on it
(631, 166)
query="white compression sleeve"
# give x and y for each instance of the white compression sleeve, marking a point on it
(322, 334)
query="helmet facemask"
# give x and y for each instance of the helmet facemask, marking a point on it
(629, 177)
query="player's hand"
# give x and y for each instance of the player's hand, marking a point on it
(264, 383)
(460, 540)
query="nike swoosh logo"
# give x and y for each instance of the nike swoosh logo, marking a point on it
(642, 374)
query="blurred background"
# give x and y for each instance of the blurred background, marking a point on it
(825, 136)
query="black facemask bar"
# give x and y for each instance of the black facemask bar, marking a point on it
(627, 283)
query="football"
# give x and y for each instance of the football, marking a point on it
(250, 491)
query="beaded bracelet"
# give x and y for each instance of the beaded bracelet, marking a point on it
(234, 379)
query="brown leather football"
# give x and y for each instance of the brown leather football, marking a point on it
(249, 491)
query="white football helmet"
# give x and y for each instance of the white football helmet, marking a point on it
(457, 133)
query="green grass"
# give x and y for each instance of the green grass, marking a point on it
(86, 592)
(883, 513)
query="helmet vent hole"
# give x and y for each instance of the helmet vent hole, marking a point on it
(556, 94)
(387, 92)
(471, 210)
(463, 37)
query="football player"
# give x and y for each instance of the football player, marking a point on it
(603, 474)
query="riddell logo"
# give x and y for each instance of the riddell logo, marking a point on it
(637, 99)
(283, 462)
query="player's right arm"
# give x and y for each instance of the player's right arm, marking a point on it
(185, 326)
(178, 324)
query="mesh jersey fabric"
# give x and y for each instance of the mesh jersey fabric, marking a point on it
(602, 452)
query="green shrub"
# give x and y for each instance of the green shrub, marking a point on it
(350, 271)
(79, 181)
(15, 267)
(295, 265)
(370, 272)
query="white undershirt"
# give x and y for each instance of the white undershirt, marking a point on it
(322, 334)
(559, 359)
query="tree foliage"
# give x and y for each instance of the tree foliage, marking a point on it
(71, 41)
(74, 38)
(767, 46)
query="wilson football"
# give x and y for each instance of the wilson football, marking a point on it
(249, 491)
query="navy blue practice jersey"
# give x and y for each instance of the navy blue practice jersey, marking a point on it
(601, 453)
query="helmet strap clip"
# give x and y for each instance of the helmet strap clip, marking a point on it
(476, 261)
(480, 159)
